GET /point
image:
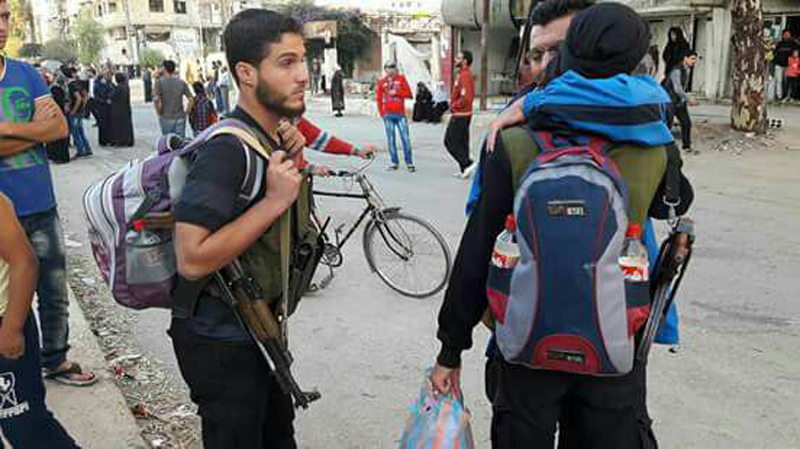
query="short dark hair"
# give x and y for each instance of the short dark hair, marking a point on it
(250, 33)
(550, 10)
(198, 88)
(467, 56)
(689, 53)
(169, 65)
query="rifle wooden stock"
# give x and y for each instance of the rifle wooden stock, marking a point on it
(254, 314)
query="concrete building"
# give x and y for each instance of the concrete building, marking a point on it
(465, 17)
(707, 26)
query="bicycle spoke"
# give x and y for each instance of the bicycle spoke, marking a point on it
(409, 256)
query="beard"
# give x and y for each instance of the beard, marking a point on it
(276, 102)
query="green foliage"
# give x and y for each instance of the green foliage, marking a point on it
(60, 49)
(354, 37)
(151, 58)
(89, 37)
(355, 40)
(31, 51)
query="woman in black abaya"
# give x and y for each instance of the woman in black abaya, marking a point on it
(121, 122)
(103, 91)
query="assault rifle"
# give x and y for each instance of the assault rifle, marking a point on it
(252, 311)
(676, 252)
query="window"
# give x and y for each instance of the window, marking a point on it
(156, 5)
(119, 33)
(112, 7)
(99, 10)
(180, 6)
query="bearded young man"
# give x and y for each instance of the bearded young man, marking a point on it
(240, 403)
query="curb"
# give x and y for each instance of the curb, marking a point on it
(98, 415)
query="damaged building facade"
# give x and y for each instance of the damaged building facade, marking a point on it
(705, 23)
(707, 26)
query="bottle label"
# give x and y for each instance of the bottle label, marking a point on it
(635, 272)
(506, 261)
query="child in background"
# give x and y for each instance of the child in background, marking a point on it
(793, 76)
(25, 420)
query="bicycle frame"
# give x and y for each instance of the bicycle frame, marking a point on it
(367, 211)
(368, 194)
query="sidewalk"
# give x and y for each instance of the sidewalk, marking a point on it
(97, 417)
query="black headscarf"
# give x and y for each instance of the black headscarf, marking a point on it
(605, 40)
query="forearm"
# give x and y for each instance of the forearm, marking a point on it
(16, 137)
(22, 284)
(465, 300)
(10, 147)
(221, 247)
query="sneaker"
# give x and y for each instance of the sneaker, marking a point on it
(411, 168)
(458, 174)
(392, 167)
(469, 170)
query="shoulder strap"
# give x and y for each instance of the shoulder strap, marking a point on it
(285, 223)
(521, 148)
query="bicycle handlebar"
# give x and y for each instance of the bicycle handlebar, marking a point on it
(352, 173)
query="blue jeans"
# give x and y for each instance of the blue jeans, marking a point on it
(24, 418)
(75, 123)
(222, 99)
(392, 121)
(47, 238)
(173, 126)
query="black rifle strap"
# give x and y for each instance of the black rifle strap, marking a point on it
(672, 177)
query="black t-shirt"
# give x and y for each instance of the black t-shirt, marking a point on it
(74, 88)
(784, 50)
(212, 198)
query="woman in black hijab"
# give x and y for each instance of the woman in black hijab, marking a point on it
(337, 92)
(677, 46)
(103, 91)
(121, 123)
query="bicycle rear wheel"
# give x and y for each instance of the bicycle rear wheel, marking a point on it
(408, 254)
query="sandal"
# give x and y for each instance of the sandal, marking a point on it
(65, 376)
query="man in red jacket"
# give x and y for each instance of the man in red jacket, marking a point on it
(391, 94)
(456, 138)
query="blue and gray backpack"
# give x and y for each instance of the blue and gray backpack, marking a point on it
(564, 306)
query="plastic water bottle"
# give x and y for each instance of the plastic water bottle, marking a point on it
(505, 254)
(633, 260)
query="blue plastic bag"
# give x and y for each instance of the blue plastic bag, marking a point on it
(437, 422)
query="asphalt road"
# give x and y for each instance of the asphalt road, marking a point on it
(734, 384)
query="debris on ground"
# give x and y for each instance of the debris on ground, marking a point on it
(166, 420)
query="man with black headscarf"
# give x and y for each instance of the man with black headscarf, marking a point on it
(604, 44)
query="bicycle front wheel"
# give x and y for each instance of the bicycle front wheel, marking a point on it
(408, 254)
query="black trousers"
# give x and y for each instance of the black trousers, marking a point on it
(682, 114)
(239, 402)
(456, 140)
(590, 412)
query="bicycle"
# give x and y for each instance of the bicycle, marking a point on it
(395, 243)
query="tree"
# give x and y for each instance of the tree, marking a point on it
(59, 49)
(17, 30)
(353, 39)
(749, 110)
(89, 37)
(150, 58)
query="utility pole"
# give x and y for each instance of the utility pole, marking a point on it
(200, 24)
(484, 55)
(130, 32)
